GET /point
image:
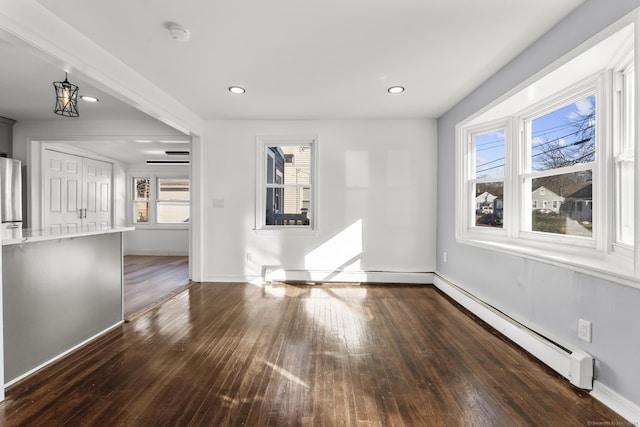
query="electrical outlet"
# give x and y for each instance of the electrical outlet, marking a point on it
(445, 256)
(584, 330)
(249, 257)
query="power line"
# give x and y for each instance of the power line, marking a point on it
(582, 141)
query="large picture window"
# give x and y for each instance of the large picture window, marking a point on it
(285, 184)
(549, 172)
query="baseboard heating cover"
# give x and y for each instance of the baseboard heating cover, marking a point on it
(573, 364)
(272, 274)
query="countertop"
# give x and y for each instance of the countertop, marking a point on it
(17, 236)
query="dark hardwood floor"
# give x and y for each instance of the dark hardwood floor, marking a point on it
(149, 280)
(237, 354)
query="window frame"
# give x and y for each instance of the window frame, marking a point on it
(262, 142)
(593, 85)
(154, 200)
(601, 255)
(469, 166)
(135, 200)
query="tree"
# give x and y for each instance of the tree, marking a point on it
(577, 146)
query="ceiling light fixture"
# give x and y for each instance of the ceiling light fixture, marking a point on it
(173, 141)
(89, 98)
(237, 90)
(66, 98)
(395, 89)
(167, 162)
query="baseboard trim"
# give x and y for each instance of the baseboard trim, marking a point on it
(275, 274)
(63, 354)
(157, 253)
(627, 409)
(573, 364)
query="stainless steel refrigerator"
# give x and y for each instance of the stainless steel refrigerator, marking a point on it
(11, 193)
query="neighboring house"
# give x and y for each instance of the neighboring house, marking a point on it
(582, 207)
(544, 199)
(484, 199)
(275, 175)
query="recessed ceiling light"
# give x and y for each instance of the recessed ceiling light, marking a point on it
(395, 89)
(89, 98)
(236, 89)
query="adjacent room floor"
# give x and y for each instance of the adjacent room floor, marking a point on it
(149, 280)
(223, 354)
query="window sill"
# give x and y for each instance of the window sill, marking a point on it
(289, 230)
(609, 266)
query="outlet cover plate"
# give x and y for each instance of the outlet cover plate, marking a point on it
(584, 330)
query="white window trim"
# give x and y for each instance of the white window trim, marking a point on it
(261, 163)
(153, 223)
(465, 156)
(605, 260)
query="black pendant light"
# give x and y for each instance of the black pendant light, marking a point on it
(66, 98)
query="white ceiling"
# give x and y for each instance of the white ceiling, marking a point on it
(297, 59)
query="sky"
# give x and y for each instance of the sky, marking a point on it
(552, 133)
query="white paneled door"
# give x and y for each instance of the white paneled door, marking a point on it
(77, 193)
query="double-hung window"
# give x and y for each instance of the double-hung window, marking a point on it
(286, 183)
(558, 140)
(141, 200)
(159, 200)
(549, 171)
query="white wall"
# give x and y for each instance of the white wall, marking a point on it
(376, 199)
(546, 298)
(157, 242)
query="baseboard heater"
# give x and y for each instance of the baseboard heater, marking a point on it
(573, 364)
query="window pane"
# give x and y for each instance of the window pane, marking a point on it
(142, 213)
(489, 148)
(173, 189)
(489, 200)
(288, 206)
(562, 204)
(142, 186)
(289, 165)
(275, 161)
(173, 213)
(565, 136)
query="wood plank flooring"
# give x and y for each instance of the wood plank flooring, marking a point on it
(236, 354)
(150, 279)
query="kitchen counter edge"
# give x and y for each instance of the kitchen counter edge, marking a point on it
(21, 236)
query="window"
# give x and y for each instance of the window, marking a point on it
(173, 200)
(557, 156)
(560, 146)
(488, 150)
(141, 191)
(170, 196)
(285, 194)
(624, 137)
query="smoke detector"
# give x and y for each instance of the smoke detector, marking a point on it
(179, 33)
